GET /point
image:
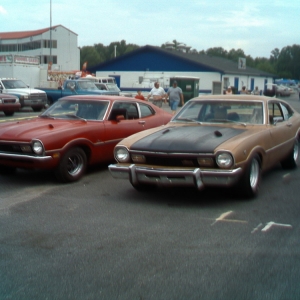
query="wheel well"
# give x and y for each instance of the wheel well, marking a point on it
(85, 148)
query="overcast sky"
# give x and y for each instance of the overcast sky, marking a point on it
(255, 26)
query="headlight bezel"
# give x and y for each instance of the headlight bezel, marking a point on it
(37, 147)
(121, 154)
(224, 159)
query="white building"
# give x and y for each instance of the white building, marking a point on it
(58, 45)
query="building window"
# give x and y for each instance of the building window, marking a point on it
(47, 44)
(20, 47)
(45, 59)
(8, 48)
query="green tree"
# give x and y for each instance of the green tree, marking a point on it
(217, 51)
(288, 63)
(90, 55)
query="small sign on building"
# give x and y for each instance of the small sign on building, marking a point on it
(242, 63)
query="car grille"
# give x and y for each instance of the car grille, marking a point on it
(171, 162)
(8, 100)
(40, 96)
(11, 148)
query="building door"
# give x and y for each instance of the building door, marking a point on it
(252, 84)
(236, 85)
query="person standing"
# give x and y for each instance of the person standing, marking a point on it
(229, 91)
(158, 94)
(256, 91)
(139, 95)
(244, 91)
(175, 96)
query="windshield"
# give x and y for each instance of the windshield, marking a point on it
(66, 109)
(14, 84)
(113, 87)
(211, 111)
(87, 85)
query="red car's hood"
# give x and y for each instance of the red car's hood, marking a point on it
(36, 128)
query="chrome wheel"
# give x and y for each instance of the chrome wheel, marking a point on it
(296, 151)
(250, 181)
(72, 165)
(254, 174)
(75, 164)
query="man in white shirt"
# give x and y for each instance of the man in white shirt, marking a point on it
(158, 94)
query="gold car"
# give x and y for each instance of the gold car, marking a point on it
(216, 140)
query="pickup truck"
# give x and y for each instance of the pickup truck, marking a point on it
(34, 98)
(74, 87)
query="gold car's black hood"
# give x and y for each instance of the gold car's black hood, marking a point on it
(186, 139)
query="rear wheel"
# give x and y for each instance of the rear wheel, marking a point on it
(72, 165)
(250, 181)
(292, 159)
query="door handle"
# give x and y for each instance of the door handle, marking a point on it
(142, 122)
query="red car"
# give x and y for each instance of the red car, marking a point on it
(75, 132)
(9, 104)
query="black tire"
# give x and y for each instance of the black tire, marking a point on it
(290, 162)
(72, 165)
(49, 101)
(250, 182)
(5, 170)
(9, 113)
(37, 109)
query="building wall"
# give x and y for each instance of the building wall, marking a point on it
(133, 80)
(230, 80)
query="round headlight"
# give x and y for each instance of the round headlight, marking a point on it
(122, 155)
(224, 160)
(37, 147)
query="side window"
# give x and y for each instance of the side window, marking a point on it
(132, 111)
(274, 112)
(287, 112)
(146, 110)
(129, 110)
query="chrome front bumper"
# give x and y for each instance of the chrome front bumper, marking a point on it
(10, 158)
(162, 176)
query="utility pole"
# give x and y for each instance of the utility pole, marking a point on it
(50, 33)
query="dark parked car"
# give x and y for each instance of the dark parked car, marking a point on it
(9, 104)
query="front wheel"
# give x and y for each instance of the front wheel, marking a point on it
(250, 181)
(72, 165)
